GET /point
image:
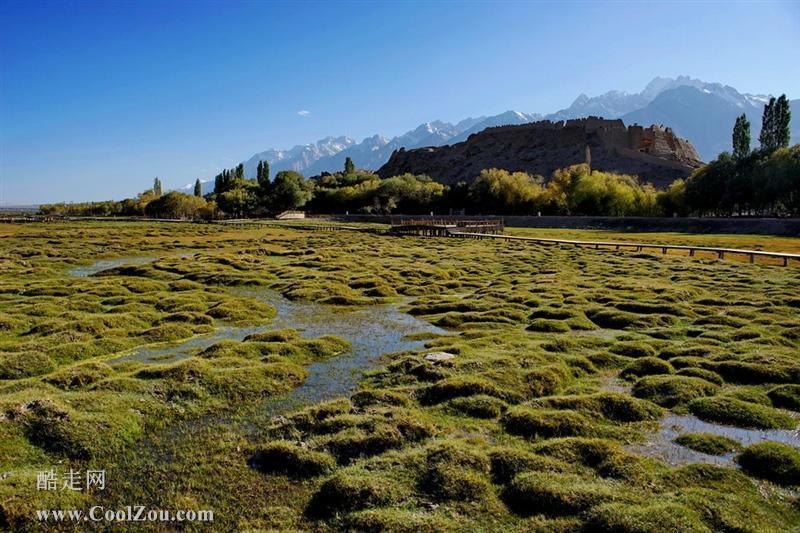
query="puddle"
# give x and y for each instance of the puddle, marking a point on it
(105, 264)
(660, 444)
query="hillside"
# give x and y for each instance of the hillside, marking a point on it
(654, 153)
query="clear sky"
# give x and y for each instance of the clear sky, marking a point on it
(99, 97)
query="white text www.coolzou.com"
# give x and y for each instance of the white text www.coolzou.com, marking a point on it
(130, 513)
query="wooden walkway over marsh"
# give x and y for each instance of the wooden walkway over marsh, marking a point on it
(445, 227)
(721, 253)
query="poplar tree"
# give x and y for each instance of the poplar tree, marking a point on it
(781, 120)
(741, 137)
(198, 188)
(767, 136)
(349, 167)
(157, 187)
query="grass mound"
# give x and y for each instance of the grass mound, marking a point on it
(774, 461)
(353, 490)
(507, 462)
(479, 406)
(20, 365)
(455, 471)
(284, 457)
(80, 376)
(669, 391)
(646, 366)
(708, 375)
(559, 494)
(708, 443)
(654, 517)
(463, 386)
(633, 349)
(786, 396)
(397, 520)
(546, 325)
(730, 411)
(546, 423)
(611, 405)
(546, 380)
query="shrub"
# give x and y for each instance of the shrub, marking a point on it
(283, 457)
(478, 406)
(20, 365)
(646, 366)
(669, 391)
(773, 461)
(725, 410)
(708, 443)
(546, 423)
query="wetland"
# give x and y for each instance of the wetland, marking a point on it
(279, 377)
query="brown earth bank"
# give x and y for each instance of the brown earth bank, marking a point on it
(653, 153)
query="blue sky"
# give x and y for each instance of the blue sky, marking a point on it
(98, 98)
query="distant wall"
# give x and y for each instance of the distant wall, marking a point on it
(757, 226)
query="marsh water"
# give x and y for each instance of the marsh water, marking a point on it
(106, 264)
(661, 443)
(371, 331)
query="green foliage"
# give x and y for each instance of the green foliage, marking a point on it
(289, 191)
(175, 205)
(198, 188)
(349, 166)
(157, 187)
(765, 181)
(500, 191)
(741, 137)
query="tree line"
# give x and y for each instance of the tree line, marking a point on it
(764, 181)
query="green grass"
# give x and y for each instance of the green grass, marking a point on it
(563, 358)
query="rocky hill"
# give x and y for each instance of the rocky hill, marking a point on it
(654, 153)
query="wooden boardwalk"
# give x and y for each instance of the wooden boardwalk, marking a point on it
(444, 227)
(640, 246)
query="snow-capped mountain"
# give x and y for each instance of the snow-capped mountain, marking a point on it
(328, 155)
(697, 110)
(300, 157)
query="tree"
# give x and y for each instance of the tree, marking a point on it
(157, 187)
(289, 191)
(175, 205)
(262, 175)
(198, 188)
(349, 167)
(781, 120)
(741, 137)
(767, 136)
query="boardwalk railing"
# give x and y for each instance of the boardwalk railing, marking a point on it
(639, 246)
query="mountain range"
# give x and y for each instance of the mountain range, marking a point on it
(699, 111)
